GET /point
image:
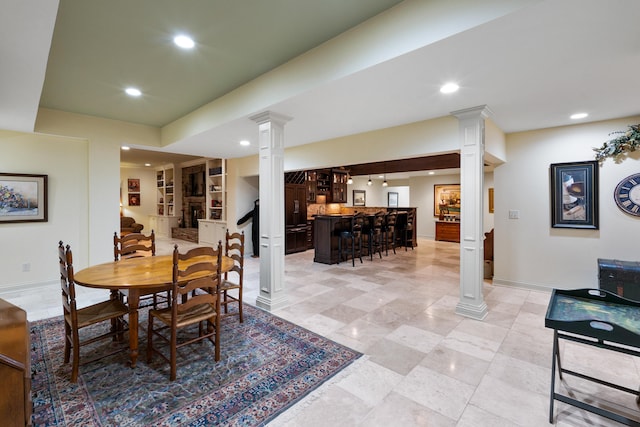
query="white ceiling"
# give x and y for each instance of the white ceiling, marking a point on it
(532, 67)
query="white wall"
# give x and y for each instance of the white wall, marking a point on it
(528, 251)
(64, 160)
(148, 195)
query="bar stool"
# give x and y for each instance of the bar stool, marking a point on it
(389, 232)
(408, 230)
(352, 239)
(375, 239)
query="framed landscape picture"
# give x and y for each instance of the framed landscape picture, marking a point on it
(446, 197)
(359, 198)
(23, 198)
(574, 195)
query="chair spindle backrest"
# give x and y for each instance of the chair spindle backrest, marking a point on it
(198, 274)
(234, 249)
(133, 245)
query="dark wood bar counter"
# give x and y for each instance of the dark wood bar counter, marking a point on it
(327, 228)
(326, 232)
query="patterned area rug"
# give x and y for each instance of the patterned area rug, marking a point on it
(267, 364)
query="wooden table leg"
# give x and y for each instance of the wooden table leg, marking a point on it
(133, 301)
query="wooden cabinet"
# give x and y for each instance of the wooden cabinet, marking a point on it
(211, 232)
(309, 234)
(448, 231)
(311, 186)
(15, 366)
(162, 224)
(295, 207)
(331, 183)
(339, 186)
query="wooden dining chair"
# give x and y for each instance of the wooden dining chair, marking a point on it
(112, 310)
(233, 278)
(189, 307)
(135, 245)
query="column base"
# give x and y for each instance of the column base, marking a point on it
(270, 304)
(477, 312)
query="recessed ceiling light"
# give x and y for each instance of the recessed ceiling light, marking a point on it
(132, 91)
(147, 164)
(125, 147)
(577, 116)
(245, 142)
(449, 88)
(184, 42)
(431, 173)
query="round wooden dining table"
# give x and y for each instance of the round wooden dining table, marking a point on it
(139, 276)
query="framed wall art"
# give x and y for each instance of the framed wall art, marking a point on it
(23, 198)
(574, 195)
(133, 184)
(359, 198)
(447, 198)
(491, 209)
(392, 199)
(134, 199)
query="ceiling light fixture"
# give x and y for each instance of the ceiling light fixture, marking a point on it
(349, 179)
(125, 148)
(449, 88)
(384, 183)
(578, 116)
(185, 42)
(147, 164)
(369, 183)
(431, 173)
(244, 142)
(132, 91)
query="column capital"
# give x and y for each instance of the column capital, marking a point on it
(270, 116)
(473, 112)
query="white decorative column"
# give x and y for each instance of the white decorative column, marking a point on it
(471, 127)
(272, 242)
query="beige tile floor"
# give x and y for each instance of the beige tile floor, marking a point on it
(423, 364)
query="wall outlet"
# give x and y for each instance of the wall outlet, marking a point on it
(26, 267)
(514, 214)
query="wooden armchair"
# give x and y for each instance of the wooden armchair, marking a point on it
(189, 307)
(75, 319)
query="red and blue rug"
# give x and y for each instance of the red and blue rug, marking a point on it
(267, 364)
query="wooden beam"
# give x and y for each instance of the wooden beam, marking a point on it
(442, 161)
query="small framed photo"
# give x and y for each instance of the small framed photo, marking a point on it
(392, 199)
(574, 195)
(23, 198)
(359, 198)
(133, 184)
(134, 199)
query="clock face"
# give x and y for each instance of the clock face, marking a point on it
(627, 195)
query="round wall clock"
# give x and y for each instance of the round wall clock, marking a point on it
(627, 194)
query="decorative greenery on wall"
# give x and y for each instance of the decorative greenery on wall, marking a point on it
(626, 142)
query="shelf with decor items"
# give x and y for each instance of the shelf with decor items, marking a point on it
(213, 227)
(331, 183)
(168, 201)
(166, 195)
